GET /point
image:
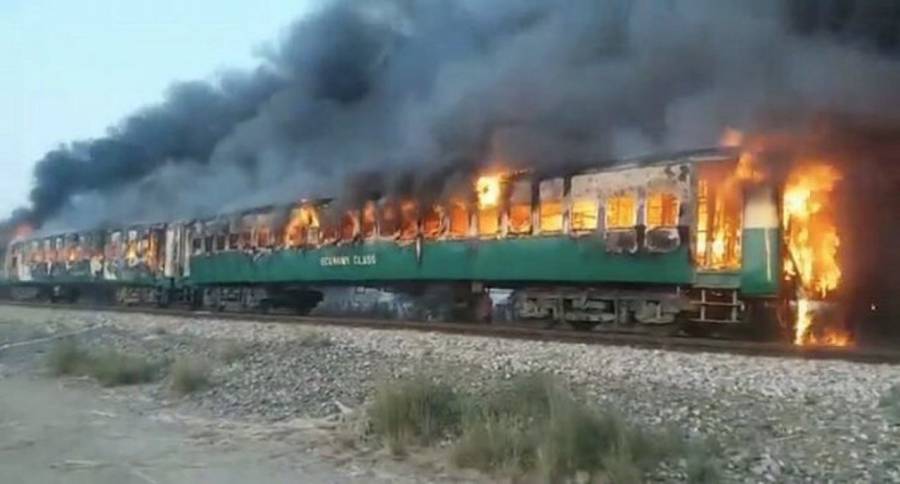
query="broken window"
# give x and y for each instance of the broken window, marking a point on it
(433, 222)
(551, 209)
(349, 225)
(263, 236)
(459, 219)
(719, 220)
(390, 220)
(585, 203)
(369, 220)
(302, 226)
(409, 220)
(520, 208)
(661, 210)
(621, 211)
(489, 192)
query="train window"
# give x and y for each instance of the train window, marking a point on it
(369, 220)
(263, 236)
(349, 225)
(520, 208)
(433, 222)
(197, 245)
(621, 211)
(719, 222)
(220, 242)
(489, 190)
(409, 220)
(233, 241)
(661, 210)
(459, 219)
(390, 220)
(551, 210)
(584, 214)
(209, 244)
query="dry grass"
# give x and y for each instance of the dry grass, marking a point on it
(109, 367)
(188, 375)
(535, 426)
(66, 358)
(414, 412)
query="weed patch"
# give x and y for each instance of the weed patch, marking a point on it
(188, 375)
(532, 426)
(66, 358)
(109, 367)
(417, 411)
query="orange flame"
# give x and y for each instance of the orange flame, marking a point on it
(488, 189)
(812, 241)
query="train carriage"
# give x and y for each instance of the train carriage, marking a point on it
(639, 243)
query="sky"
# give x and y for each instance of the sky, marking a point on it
(71, 69)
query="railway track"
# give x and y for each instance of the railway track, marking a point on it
(524, 332)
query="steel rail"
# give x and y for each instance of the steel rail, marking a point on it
(509, 331)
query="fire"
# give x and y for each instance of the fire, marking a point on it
(488, 189)
(812, 241)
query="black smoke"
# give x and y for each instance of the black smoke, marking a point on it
(410, 95)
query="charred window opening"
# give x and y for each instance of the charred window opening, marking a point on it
(409, 220)
(551, 209)
(661, 210)
(390, 220)
(263, 236)
(302, 227)
(489, 190)
(331, 227)
(661, 218)
(433, 222)
(520, 208)
(621, 211)
(349, 225)
(246, 239)
(369, 220)
(585, 204)
(719, 221)
(459, 220)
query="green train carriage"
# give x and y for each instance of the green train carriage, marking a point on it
(643, 242)
(639, 243)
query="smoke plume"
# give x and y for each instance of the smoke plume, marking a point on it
(412, 95)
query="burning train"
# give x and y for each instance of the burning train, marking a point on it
(691, 241)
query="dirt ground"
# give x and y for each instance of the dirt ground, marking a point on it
(71, 431)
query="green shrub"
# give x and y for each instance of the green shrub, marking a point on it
(416, 411)
(188, 375)
(109, 367)
(67, 358)
(535, 424)
(112, 368)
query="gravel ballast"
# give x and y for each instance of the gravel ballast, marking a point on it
(775, 420)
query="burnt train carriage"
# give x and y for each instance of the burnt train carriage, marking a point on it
(642, 242)
(645, 241)
(123, 265)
